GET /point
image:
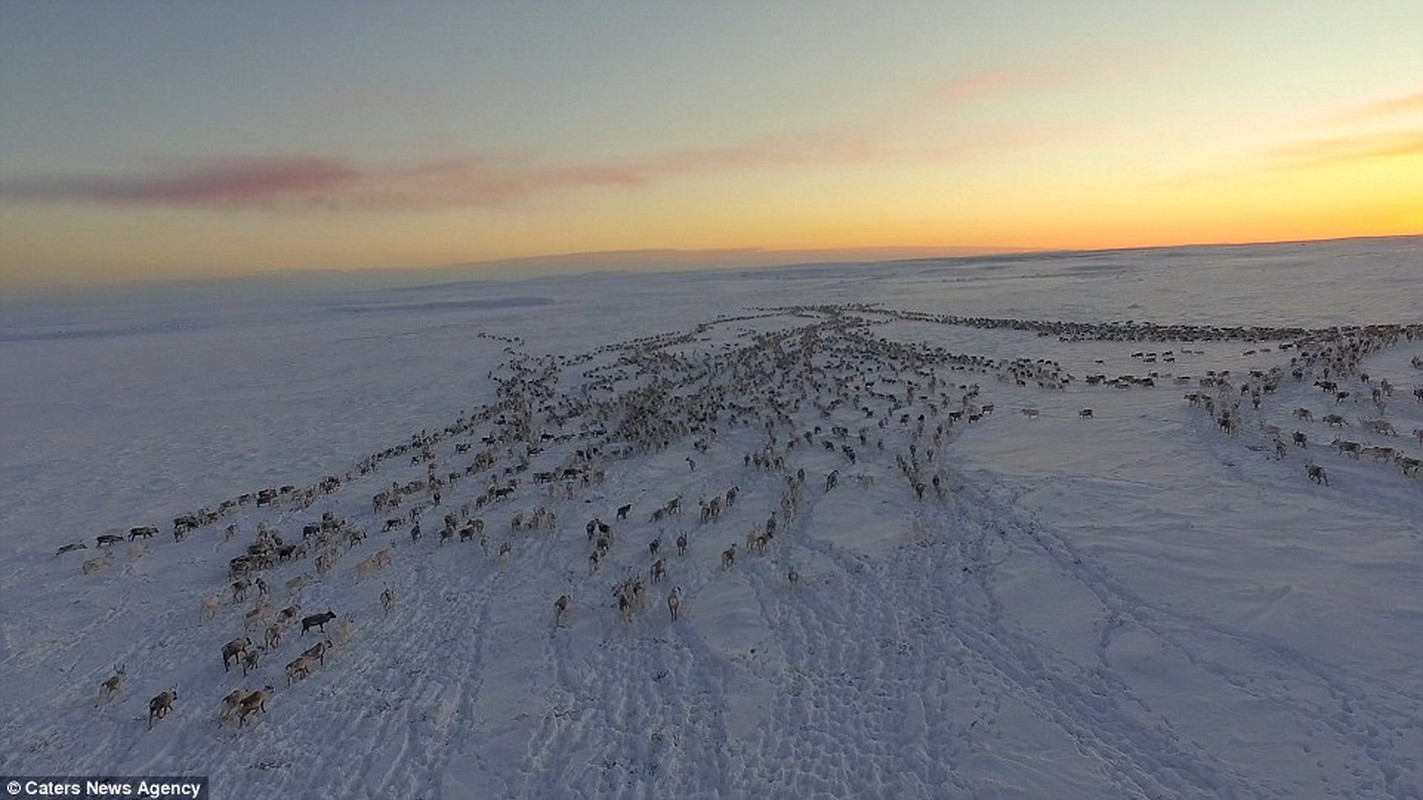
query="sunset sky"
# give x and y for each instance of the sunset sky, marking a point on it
(179, 139)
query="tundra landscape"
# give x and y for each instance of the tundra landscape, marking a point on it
(1071, 525)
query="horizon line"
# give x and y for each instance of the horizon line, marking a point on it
(664, 259)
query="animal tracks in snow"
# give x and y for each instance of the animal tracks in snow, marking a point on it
(989, 602)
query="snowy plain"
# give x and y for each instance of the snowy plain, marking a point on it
(1134, 604)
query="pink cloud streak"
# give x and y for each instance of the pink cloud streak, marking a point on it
(314, 181)
(1393, 106)
(234, 181)
(276, 182)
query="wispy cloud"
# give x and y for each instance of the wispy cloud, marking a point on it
(287, 182)
(990, 83)
(1345, 149)
(1394, 106)
(230, 181)
(305, 181)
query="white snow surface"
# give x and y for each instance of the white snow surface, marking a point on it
(1134, 604)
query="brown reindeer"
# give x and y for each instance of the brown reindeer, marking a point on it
(250, 660)
(299, 668)
(252, 703)
(160, 705)
(1316, 473)
(233, 650)
(318, 651)
(113, 686)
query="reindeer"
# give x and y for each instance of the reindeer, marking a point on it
(317, 621)
(387, 599)
(1381, 426)
(793, 577)
(229, 706)
(560, 607)
(674, 602)
(682, 544)
(250, 660)
(254, 617)
(728, 556)
(288, 615)
(1380, 454)
(344, 630)
(252, 703)
(625, 608)
(1316, 473)
(1228, 424)
(1354, 449)
(233, 650)
(113, 686)
(623, 511)
(506, 550)
(658, 569)
(274, 636)
(299, 667)
(319, 650)
(160, 705)
(211, 603)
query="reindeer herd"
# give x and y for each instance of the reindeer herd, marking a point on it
(824, 393)
(1337, 357)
